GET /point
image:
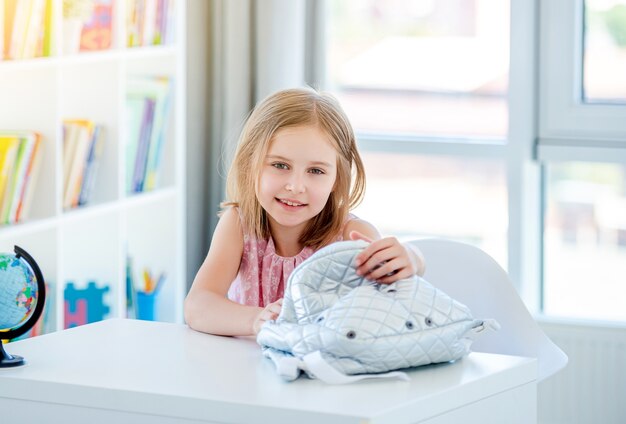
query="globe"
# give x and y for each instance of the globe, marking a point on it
(22, 297)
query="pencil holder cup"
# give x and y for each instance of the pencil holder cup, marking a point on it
(146, 305)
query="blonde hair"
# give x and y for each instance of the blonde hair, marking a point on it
(293, 108)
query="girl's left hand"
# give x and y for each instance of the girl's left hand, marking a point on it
(386, 260)
(269, 313)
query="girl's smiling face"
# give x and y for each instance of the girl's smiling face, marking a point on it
(297, 176)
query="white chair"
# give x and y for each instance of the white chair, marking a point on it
(474, 278)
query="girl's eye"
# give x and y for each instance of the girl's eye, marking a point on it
(280, 165)
(316, 171)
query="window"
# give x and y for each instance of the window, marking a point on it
(582, 68)
(443, 196)
(582, 144)
(421, 67)
(585, 240)
(424, 83)
(605, 51)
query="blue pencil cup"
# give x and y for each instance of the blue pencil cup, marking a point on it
(146, 305)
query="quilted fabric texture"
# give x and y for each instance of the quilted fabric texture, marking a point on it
(360, 327)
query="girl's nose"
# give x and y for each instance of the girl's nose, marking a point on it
(295, 185)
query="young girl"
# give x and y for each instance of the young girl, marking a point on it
(290, 190)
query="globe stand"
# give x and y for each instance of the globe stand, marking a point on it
(7, 360)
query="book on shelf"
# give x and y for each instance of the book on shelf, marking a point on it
(28, 190)
(78, 142)
(25, 28)
(31, 47)
(97, 31)
(143, 144)
(149, 22)
(82, 147)
(147, 114)
(19, 21)
(134, 117)
(20, 153)
(91, 166)
(22, 163)
(8, 150)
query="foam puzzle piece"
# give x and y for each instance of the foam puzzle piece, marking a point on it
(83, 306)
(76, 317)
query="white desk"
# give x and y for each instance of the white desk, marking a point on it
(128, 371)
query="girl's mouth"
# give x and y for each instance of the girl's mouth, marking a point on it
(290, 203)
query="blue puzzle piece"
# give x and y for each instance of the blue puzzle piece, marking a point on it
(93, 298)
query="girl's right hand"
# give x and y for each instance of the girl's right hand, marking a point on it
(269, 313)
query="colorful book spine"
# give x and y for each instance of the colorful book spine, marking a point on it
(20, 22)
(83, 144)
(149, 22)
(6, 26)
(19, 158)
(35, 27)
(25, 28)
(97, 32)
(143, 146)
(160, 22)
(134, 115)
(91, 167)
(46, 41)
(8, 151)
(76, 159)
(161, 88)
(28, 194)
(31, 154)
(148, 114)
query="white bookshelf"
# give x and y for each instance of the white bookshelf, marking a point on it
(91, 242)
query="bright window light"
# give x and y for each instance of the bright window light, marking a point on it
(422, 67)
(585, 241)
(604, 73)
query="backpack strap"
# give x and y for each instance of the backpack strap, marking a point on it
(314, 364)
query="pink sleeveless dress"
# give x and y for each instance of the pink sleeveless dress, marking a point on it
(263, 273)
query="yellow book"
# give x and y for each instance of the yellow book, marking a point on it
(70, 138)
(12, 179)
(8, 149)
(132, 22)
(47, 41)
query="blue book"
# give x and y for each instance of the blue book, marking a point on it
(91, 165)
(143, 146)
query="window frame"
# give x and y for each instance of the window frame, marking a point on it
(570, 128)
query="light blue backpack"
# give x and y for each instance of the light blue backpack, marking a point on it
(339, 327)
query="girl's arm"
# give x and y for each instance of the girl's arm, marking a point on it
(207, 308)
(384, 260)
